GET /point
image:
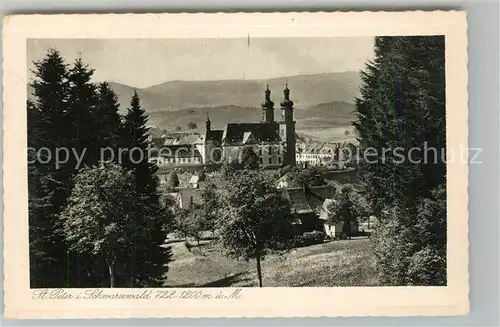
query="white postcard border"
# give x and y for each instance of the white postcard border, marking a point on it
(253, 302)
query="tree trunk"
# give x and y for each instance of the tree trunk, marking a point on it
(111, 275)
(111, 268)
(259, 271)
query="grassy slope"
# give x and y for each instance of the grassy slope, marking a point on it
(341, 263)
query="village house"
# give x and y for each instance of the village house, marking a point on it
(320, 154)
(311, 204)
(180, 154)
(186, 197)
(335, 230)
(197, 180)
(306, 202)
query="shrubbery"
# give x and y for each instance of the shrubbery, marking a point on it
(413, 253)
(310, 238)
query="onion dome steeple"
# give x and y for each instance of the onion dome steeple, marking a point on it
(267, 103)
(286, 102)
(267, 107)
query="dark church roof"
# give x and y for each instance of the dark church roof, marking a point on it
(211, 135)
(214, 135)
(260, 132)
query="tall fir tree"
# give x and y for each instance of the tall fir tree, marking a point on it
(107, 114)
(48, 188)
(135, 135)
(401, 115)
(82, 105)
(146, 255)
(84, 140)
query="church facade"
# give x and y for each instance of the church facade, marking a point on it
(273, 141)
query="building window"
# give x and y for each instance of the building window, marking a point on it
(270, 150)
(261, 161)
(279, 160)
(270, 160)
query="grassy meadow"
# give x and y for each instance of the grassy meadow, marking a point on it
(338, 263)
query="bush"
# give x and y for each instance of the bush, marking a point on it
(410, 245)
(310, 238)
(427, 267)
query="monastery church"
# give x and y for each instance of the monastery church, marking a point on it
(273, 141)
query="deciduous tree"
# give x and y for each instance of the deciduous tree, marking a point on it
(211, 207)
(257, 217)
(107, 219)
(310, 176)
(249, 159)
(344, 208)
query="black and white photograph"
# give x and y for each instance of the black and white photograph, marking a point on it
(236, 165)
(239, 162)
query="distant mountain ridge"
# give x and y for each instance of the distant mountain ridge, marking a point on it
(306, 90)
(322, 101)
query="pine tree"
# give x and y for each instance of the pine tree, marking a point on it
(48, 127)
(402, 108)
(82, 104)
(107, 114)
(146, 258)
(135, 136)
(83, 139)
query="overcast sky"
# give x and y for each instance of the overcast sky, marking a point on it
(146, 62)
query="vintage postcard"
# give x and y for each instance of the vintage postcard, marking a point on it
(235, 165)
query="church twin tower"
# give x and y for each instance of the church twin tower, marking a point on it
(286, 124)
